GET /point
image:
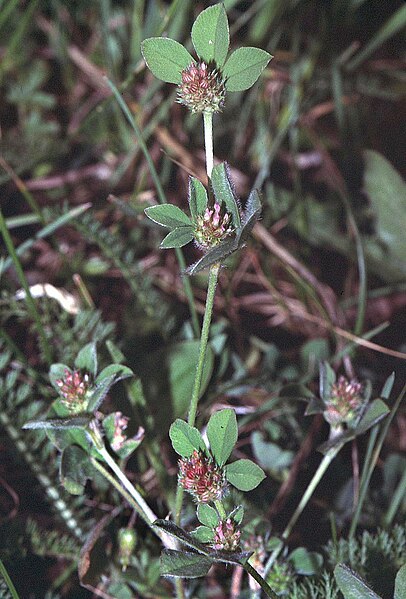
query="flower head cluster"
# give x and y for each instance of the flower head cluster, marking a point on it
(202, 88)
(227, 535)
(74, 387)
(344, 403)
(200, 476)
(212, 227)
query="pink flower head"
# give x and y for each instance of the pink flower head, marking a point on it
(202, 478)
(344, 403)
(202, 88)
(212, 227)
(73, 387)
(226, 535)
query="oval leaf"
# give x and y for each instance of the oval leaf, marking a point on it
(168, 215)
(185, 438)
(210, 35)
(207, 515)
(183, 564)
(222, 432)
(204, 534)
(244, 67)
(351, 585)
(75, 469)
(177, 238)
(86, 360)
(197, 197)
(166, 58)
(244, 475)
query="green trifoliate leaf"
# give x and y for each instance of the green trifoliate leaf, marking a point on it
(168, 215)
(252, 213)
(244, 474)
(207, 515)
(177, 238)
(243, 68)
(224, 193)
(184, 564)
(222, 432)
(166, 58)
(197, 197)
(351, 585)
(185, 438)
(86, 360)
(204, 534)
(210, 35)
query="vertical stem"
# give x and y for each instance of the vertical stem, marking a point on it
(24, 284)
(211, 290)
(324, 464)
(208, 141)
(220, 509)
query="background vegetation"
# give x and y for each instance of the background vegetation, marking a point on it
(321, 136)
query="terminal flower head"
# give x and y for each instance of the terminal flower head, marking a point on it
(200, 476)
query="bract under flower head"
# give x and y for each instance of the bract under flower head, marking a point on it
(202, 88)
(202, 478)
